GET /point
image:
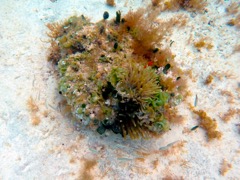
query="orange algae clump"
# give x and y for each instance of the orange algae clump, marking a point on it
(209, 79)
(209, 125)
(189, 5)
(54, 52)
(225, 167)
(235, 22)
(203, 43)
(145, 34)
(88, 167)
(35, 120)
(110, 2)
(56, 30)
(236, 48)
(33, 108)
(233, 8)
(231, 112)
(196, 5)
(156, 2)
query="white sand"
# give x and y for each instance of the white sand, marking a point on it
(54, 149)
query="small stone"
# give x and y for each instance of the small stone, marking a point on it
(116, 129)
(101, 130)
(107, 123)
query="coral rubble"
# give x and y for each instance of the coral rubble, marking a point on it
(115, 74)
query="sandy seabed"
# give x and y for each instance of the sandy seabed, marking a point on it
(45, 144)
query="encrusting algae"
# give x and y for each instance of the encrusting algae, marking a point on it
(116, 75)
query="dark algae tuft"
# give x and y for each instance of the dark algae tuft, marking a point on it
(105, 15)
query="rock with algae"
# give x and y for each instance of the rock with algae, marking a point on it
(108, 84)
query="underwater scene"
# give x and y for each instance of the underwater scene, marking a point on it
(120, 89)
